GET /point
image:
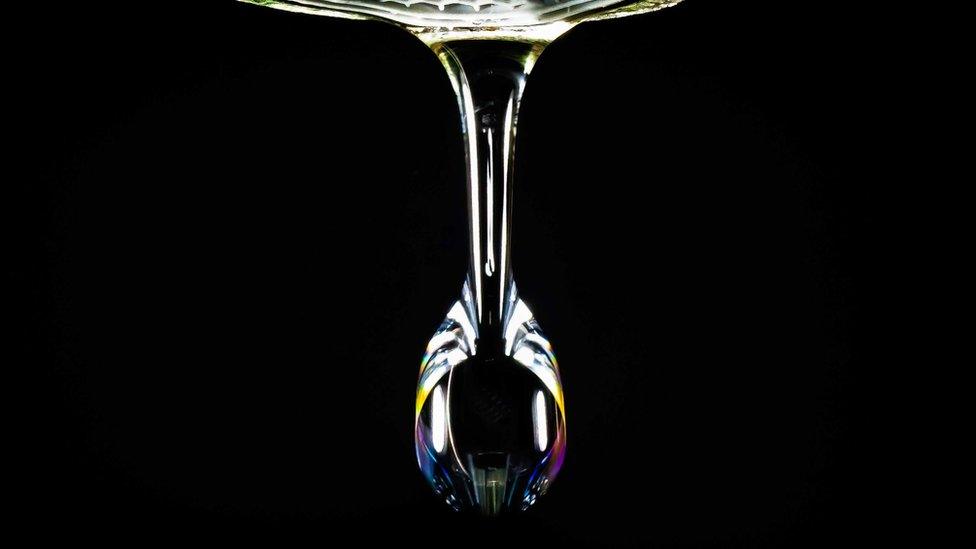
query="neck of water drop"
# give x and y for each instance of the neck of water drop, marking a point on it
(488, 78)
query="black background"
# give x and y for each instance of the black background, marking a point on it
(240, 226)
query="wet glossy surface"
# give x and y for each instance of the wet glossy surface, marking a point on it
(490, 428)
(473, 14)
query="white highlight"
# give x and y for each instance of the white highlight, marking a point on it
(438, 420)
(538, 340)
(530, 359)
(525, 356)
(440, 340)
(506, 166)
(539, 421)
(490, 205)
(455, 357)
(520, 316)
(459, 315)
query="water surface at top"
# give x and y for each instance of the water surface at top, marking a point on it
(478, 16)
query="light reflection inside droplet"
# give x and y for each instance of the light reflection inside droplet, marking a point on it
(438, 423)
(539, 421)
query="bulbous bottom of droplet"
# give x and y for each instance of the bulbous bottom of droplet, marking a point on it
(490, 429)
(487, 434)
